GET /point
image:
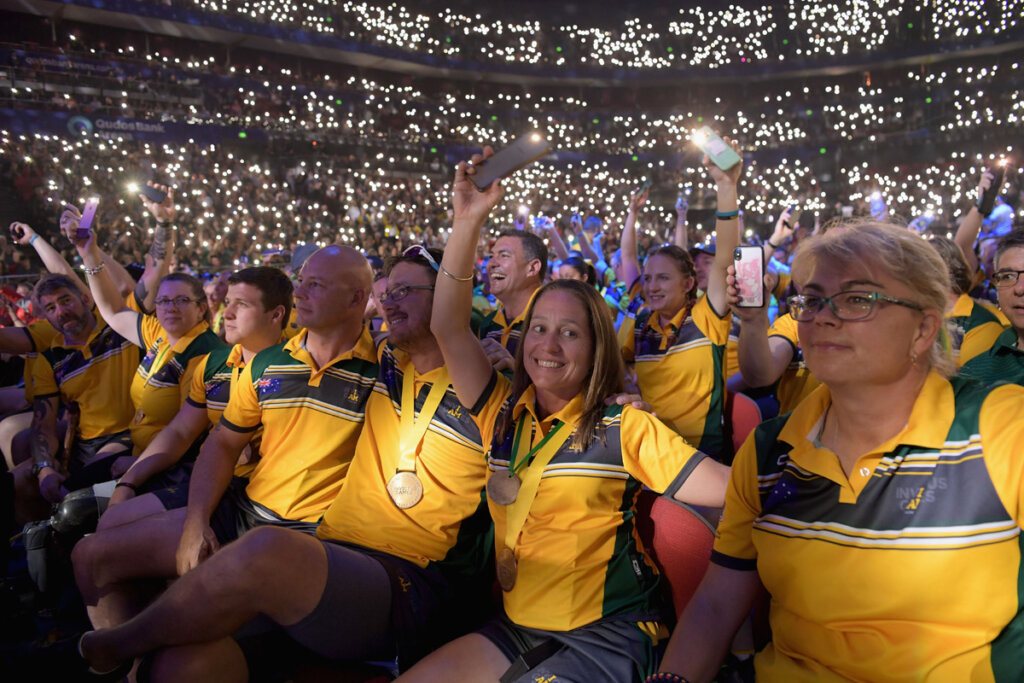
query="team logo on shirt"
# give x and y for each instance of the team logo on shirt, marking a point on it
(912, 497)
(456, 412)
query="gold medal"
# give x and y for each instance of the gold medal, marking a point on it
(506, 569)
(405, 489)
(503, 488)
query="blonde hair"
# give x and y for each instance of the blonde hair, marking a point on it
(902, 255)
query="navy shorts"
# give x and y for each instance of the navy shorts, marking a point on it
(235, 514)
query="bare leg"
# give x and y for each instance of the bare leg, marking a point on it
(471, 658)
(221, 661)
(130, 510)
(272, 571)
(106, 562)
(10, 427)
(29, 505)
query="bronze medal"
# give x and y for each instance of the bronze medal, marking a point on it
(506, 569)
(405, 489)
(503, 488)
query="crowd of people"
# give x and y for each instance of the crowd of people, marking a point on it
(295, 410)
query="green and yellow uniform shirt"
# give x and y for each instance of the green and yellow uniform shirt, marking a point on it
(579, 557)
(164, 376)
(211, 390)
(680, 370)
(311, 421)
(908, 569)
(796, 382)
(1003, 362)
(95, 375)
(41, 333)
(994, 310)
(504, 331)
(973, 329)
(437, 531)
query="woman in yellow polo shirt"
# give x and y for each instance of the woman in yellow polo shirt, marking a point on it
(883, 514)
(677, 344)
(564, 470)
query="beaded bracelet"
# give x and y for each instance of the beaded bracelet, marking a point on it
(665, 677)
(92, 271)
(727, 215)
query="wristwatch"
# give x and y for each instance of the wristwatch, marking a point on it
(38, 467)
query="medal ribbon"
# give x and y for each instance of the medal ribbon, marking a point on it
(411, 430)
(541, 455)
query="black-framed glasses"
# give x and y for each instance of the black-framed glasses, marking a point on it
(1005, 277)
(420, 250)
(176, 302)
(852, 305)
(400, 292)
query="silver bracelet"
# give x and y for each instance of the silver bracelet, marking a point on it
(456, 277)
(92, 271)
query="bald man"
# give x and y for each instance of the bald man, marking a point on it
(309, 394)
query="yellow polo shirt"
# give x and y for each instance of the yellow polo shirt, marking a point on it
(796, 382)
(579, 557)
(973, 329)
(907, 570)
(41, 333)
(95, 375)
(164, 376)
(506, 332)
(450, 464)
(681, 369)
(311, 421)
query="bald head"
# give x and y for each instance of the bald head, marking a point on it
(333, 287)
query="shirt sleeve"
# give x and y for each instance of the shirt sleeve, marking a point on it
(978, 340)
(716, 328)
(243, 413)
(1002, 438)
(654, 453)
(734, 546)
(488, 407)
(197, 386)
(627, 340)
(44, 383)
(149, 330)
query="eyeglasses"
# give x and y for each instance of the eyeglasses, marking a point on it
(1003, 279)
(400, 292)
(420, 250)
(853, 305)
(176, 302)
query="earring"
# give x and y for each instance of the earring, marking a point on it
(913, 358)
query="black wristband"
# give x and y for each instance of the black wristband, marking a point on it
(164, 224)
(773, 246)
(133, 487)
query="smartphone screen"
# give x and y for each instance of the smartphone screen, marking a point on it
(714, 146)
(152, 194)
(88, 214)
(749, 263)
(524, 150)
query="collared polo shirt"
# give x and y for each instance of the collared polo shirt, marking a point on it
(506, 332)
(95, 375)
(450, 464)
(908, 569)
(973, 329)
(311, 421)
(41, 333)
(1003, 362)
(796, 382)
(681, 370)
(579, 557)
(164, 376)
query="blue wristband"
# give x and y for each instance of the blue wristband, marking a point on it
(725, 215)
(32, 239)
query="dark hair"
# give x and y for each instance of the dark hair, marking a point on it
(196, 287)
(581, 266)
(956, 264)
(50, 283)
(683, 261)
(417, 258)
(1011, 240)
(275, 287)
(608, 368)
(533, 247)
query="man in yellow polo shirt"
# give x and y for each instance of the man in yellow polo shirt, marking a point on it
(88, 367)
(516, 269)
(403, 544)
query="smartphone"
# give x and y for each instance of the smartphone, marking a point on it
(152, 194)
(88, 214)
(18, 232)
(644, 186)
(749, 262)
(794, 216)
(523, 151)
(988, 197)
(715, 147)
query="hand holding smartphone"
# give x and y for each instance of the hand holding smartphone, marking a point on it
(749, 264)
(523, 151)
(153, 194)
(988, 197)
(85, 222)
(721, 154)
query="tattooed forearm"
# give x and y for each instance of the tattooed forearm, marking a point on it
(158, 250)
(42, 450)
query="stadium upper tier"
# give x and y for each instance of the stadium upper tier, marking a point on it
(650, 42)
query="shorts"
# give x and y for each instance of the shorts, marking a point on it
(608, 650)
(83, 451)
(235, 514)
(171, 485)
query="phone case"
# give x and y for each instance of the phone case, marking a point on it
(88, 214)
(988, 198)
(524, 150)
(749, 262)
(722, 154)
(152, 194)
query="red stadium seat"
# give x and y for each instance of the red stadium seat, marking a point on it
(678, 540)
(743, 414)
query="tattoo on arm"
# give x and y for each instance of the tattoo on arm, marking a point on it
(140, 294)
(40, 443)
(158, 250)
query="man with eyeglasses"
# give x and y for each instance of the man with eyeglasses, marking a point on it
(1004, 361)
(400, 567)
